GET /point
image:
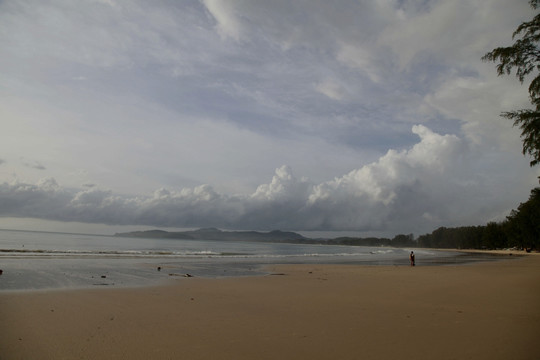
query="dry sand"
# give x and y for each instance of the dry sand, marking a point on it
(481, 311)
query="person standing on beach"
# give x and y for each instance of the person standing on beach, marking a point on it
(411, 258)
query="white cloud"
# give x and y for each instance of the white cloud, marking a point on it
(456, 31)
(415, 190)
(103, 35)
(362, 58)
(226, 17)
(371, 194)
(332, 89)
(478, 104)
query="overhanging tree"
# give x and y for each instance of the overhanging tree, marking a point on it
(524, 57)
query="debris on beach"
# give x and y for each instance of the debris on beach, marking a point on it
(183, 275)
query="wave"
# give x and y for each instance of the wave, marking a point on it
(103, 253)
(163, 253)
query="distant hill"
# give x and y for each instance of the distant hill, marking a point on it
(216, 234)
(276, 236)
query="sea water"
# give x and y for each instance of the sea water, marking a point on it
(43, 260)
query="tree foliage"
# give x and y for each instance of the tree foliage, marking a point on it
(400, 240)
(524, 57)
(524, 223)
(520, 230)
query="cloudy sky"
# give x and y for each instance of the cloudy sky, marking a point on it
(358, 116)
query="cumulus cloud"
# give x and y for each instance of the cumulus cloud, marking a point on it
(374, 194)
(431, 184)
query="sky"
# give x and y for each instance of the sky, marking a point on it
(354, 117)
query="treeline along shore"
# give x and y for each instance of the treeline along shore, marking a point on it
(520, 230)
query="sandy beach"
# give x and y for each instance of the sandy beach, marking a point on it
(479, 311)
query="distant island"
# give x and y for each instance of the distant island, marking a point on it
(275, 236)
(217, 234)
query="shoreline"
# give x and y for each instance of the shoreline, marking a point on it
(485, 310)
(509, 252)
(78, 273)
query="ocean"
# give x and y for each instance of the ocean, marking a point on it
(45, 260)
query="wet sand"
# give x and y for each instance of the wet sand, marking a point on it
(478, 311)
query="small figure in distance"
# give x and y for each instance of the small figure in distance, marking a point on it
(411, 258)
